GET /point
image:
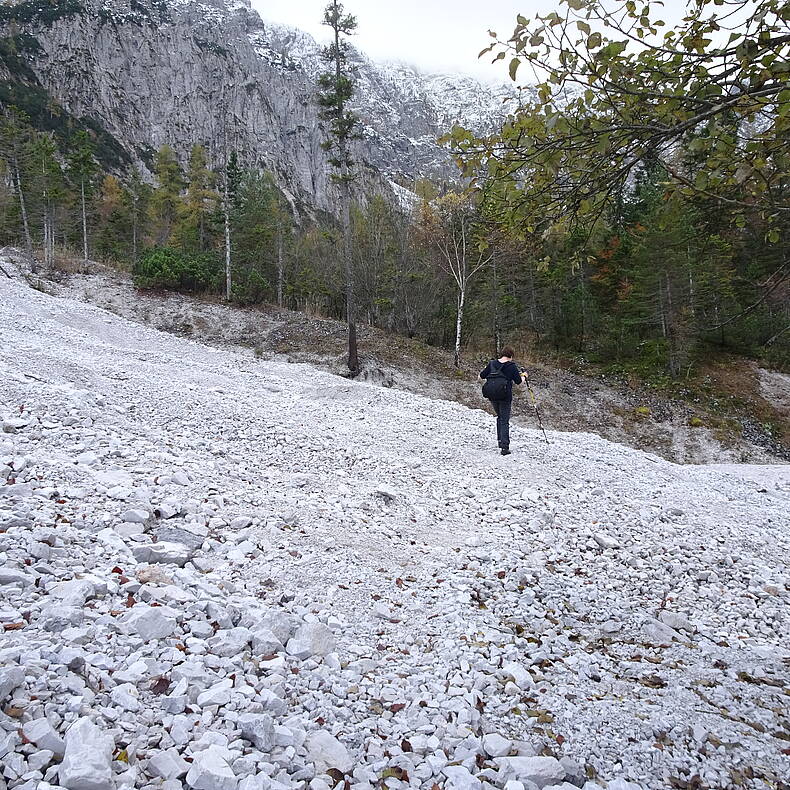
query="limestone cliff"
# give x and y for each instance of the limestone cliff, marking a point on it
(148, 72)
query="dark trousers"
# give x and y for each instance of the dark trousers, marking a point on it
(502, 409)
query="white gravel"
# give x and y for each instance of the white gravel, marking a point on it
(240, 574)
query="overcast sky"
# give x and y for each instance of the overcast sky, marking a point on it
(430, 34)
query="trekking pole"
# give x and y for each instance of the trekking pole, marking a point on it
(537, 411)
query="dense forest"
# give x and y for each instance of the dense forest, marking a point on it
(649, 268)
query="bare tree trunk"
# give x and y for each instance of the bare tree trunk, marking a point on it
(227, 243)
(280, 265)
(84, 224)
(497, 330)
(45, 228)
(134, 229)
(353, 354)
(459, 323)
(51, 235)
(23, 211)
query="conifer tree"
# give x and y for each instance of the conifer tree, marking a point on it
(114, 220)
(49, 189)
(200, 205)
(82, 170)
(166, 198)
(138, 195)
(337, 90)
(15, 138)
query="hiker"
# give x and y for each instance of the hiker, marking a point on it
(500, 375)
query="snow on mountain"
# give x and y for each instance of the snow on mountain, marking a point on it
(222, 571)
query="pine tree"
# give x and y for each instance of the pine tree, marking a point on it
(337, 89)
(15, 148)
(82, 170)
(49, 189)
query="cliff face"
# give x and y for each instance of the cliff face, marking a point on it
(211, 71)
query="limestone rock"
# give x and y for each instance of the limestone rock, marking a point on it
(87, 758)
(326, 752)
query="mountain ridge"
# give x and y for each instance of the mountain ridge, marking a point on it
(212, 71)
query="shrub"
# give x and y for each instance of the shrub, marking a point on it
(164, 267)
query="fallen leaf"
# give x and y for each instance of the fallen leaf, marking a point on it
(14, 626)
(160, 686)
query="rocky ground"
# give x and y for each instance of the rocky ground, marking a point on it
(222, 572)
(680, 431)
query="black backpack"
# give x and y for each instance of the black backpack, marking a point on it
(497, 385)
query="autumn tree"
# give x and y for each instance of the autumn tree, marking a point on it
(450, 225)
(614, 91)
(166, 198)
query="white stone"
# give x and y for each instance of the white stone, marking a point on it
(265, 643)
(10, 678)
(72, 593)
(326, 752)
(218, 694)
(87, 759)
(606, 541)
(44, 736)
(126, 696)
(14, 576)
(151, 622)
(543, 771)
(676, 621)
(258, 729)
(496, 746)
(460, 778)
(311, 639)
(210, 771)
(168, 764)
(135, 516)
(230, 641)
(520, 675)
(166, 552)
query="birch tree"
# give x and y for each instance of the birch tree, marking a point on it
(450, 225)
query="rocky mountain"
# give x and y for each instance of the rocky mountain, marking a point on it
(148, 72)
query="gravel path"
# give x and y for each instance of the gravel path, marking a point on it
(393, 600)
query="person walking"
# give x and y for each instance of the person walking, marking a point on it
(499, 376)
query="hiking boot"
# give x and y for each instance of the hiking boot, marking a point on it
(504, 451)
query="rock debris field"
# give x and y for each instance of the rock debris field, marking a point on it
(223, 573)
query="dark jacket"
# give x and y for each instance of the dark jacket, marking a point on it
(509, 370)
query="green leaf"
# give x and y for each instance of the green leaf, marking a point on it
(584, 27)
(594, 41)
(514, 64)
